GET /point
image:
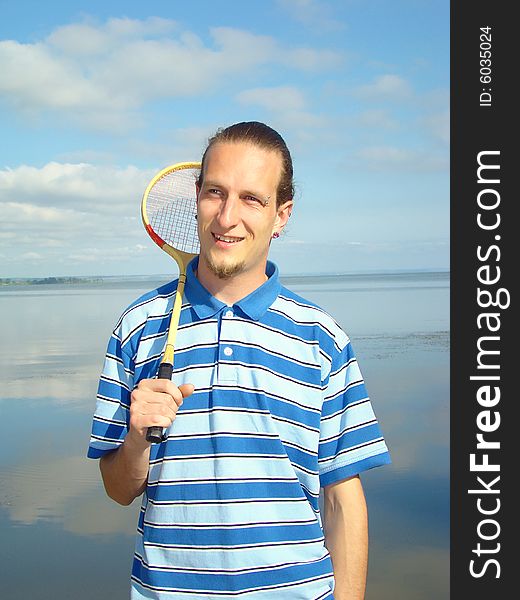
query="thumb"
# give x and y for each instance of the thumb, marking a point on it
(186, 389)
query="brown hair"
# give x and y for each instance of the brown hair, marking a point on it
(263, 136)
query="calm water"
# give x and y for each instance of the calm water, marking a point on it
(60, 537)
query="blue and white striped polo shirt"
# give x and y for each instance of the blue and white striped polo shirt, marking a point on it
(279, 409)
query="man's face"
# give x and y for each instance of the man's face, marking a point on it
(237, 213)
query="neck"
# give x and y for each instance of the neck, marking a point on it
(234, 288)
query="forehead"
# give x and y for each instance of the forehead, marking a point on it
(242, 164)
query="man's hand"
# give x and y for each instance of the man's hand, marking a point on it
(154, 403)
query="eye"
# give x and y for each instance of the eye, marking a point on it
(253, 200)
(215, 192)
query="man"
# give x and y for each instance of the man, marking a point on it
(266, 405)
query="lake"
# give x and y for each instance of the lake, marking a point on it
(60, 537)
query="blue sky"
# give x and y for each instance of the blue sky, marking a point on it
(96, 97)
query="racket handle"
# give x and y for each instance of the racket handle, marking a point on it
(155, 434)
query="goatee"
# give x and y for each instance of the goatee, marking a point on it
(224, 271)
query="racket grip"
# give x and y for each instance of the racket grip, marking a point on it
(165, 371)
(155, 434)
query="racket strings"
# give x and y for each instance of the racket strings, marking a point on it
(171, 207)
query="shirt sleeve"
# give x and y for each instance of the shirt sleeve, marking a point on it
(350, 437)
(111, 416)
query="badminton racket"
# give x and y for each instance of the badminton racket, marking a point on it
(169, 213)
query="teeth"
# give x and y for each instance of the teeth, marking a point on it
(229, 240)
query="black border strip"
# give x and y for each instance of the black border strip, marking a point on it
(482, 123)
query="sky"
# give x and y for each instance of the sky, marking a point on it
(97, 97)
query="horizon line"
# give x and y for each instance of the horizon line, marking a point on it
(389, 271)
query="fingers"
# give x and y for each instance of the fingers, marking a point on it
(186, 389)
(154, 403)
(164, 386)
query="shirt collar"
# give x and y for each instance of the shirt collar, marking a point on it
(254, 305)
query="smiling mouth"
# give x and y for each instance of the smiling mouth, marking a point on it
(227, 238)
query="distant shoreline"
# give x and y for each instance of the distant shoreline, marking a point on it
(289, 278)
(5, 281)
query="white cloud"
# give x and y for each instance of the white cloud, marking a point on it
(78, 187)
(101, 75)
(308, 59)
(343, 255)
(66, 215)
(438, 124)
(31, 256)
(379, 119)
(384, 158)
(300, 120)
(172, 145)
(89, 39)
(116, 254)
(317, 15)
(283, 98)
(16, 212)
(384, 154)
(34, 78)
(286, 106)
(385, 87)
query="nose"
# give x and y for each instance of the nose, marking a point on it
(228, 215)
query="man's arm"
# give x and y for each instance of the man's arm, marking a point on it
(125, 471)
(154, 402)
(346, 537)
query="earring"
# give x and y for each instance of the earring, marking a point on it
(275, 235)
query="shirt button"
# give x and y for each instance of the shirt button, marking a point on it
(228, 351)
(229, 313)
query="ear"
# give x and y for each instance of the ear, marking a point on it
(283, 212)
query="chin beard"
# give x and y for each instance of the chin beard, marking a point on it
(224, 271)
